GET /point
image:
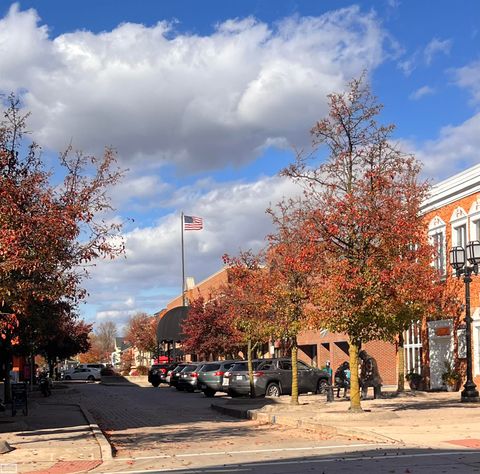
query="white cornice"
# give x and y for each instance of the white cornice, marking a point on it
(452, 189)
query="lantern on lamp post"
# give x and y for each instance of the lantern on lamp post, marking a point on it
(465, 262)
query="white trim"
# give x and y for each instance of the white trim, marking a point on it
(476, 341)
(459, 219)
(436, 223)
(453, 189)
(435, 227)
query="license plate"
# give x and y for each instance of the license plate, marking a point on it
(239, 377)
(226, 382)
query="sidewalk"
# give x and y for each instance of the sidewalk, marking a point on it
(420, 419)
(55, 437)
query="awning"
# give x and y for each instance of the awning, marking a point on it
(169, 327)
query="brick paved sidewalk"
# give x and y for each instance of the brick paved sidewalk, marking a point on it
(54, 437)
(430, 420)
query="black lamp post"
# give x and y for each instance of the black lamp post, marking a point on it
(466, 267)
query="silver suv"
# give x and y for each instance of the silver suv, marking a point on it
(273, 377)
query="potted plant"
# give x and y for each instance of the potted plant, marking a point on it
(414, 379)
(451, 378)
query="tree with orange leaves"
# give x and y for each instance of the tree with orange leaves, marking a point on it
(363, 203)
(291, 276)
(142, 335)
(208, 329)
(249, 303)
(49, 233)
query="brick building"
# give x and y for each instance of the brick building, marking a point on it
(452, 217)
(452, 214)
(315, 347)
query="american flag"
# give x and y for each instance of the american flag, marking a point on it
(193, 223)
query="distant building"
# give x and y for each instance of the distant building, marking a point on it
(121, 345)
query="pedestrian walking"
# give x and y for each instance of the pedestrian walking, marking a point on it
(369, 375)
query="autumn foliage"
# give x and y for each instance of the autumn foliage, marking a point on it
(372, 256)
(209, 329)
(50, 232)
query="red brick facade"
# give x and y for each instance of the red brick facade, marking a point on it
(453, 211)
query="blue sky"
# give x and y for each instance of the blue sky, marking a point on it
(205, 100)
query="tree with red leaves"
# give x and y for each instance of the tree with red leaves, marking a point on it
(209, 329)
(371, 252)
(50, 233)
(142, 335)
(291, 277)
(249, 303)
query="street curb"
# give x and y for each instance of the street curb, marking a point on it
(106, 450)
(285, 420)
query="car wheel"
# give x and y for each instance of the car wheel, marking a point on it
(67, 377)
(90, 378)
(273, 390)
(155, 384)
(209, 393)
(322, 386)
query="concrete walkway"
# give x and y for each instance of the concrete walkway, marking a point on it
(62, 437)
(419, 419)
(53, 438)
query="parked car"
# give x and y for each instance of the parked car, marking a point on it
(108, 371)
(89, 375)
(157, 373)
(241, 366)
(175, 374)
(210, 376)
(188, 376)
(273, 377)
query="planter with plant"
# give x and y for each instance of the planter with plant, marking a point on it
(415, 380)
(451, 378)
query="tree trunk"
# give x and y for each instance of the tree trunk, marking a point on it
(294, 400)
(250, 367)
(401, 363)
(355, 405)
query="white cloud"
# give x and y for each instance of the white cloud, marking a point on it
(435, 47)
(455, 149)
(422, 92)
(469, 77)
(201, 102)
(234, 218)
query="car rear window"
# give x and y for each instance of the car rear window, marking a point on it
(267, 365)
(189, 368)
(243, 366)
(228, 365)
(178, 368)
(285, 364)
(210, 367)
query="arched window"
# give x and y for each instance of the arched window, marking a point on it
(437, 234)
(458, 222)
(474, 216)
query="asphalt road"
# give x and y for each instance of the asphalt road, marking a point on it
(162, 430)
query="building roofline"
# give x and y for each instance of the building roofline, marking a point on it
(452, 189)
(200, 283)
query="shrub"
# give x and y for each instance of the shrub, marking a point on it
(142, 370)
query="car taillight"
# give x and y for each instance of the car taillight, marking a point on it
(258, 373)
(218, 373)
(163, 371)
(194, 375)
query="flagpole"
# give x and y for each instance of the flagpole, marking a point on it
(183, 264)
